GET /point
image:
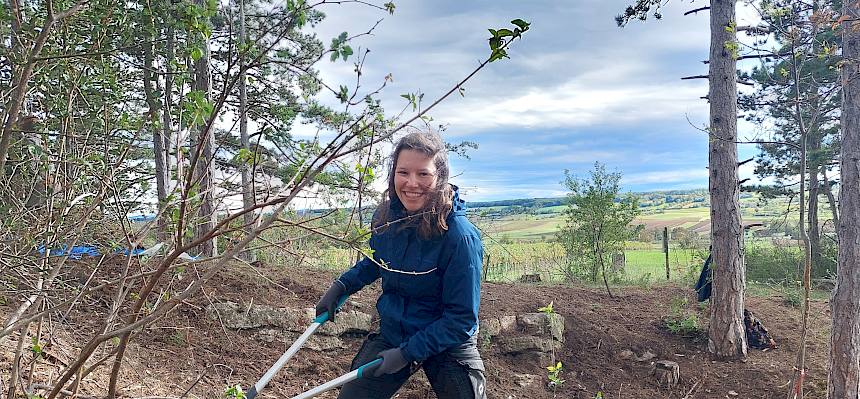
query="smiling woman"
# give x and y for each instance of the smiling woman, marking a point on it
(429, 257)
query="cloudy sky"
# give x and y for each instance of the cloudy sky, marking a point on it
(577, 89)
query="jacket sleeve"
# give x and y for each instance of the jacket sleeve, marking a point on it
(461, 295)
(362, 273)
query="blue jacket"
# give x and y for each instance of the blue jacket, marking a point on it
(424, 313)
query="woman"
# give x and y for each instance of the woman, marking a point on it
(429, 258)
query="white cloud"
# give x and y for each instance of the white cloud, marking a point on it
(666, 176)
(577, 103)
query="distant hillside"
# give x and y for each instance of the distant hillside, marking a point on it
(646, 199)
(524, 202)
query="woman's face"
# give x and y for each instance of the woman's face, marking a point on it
(414, 179)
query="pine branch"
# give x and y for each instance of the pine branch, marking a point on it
(696, 11)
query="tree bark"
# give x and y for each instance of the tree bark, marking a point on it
(831, 200)
(844, 377)
(150, 83)
(167, 120)
(726, 334)
(812, 225)
(204, 169)
(247, 182)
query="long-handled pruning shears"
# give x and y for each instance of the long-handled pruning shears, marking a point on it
(319, 321)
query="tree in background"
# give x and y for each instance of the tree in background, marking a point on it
(597, 222)
(844, 376)
(797, 93)
(726, 334)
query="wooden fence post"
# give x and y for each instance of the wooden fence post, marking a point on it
(666, 249)
(486, 266)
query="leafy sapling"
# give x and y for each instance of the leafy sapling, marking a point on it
(547, 309)
(235, 392)
(554, 375)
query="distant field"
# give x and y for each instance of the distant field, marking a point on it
(525, 227)
(519, 228)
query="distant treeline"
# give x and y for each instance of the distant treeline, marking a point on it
(524, 202)
(645, 198)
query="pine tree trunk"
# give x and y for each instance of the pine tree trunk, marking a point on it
(167, 120)
(844, 379)
(150, 84)
(247, 182)
(813, 231)
(831, 200)
(204, 169)
(727, 338)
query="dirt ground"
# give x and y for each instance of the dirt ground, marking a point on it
(188, 355)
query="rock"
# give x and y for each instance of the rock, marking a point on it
(667, 373)
(515, 345)
(524, 380)
(352, 321)
(242, 317)
(733, 393)
(530, 278)
(626, 354)
(495, 326)
(540, 323)
(647, 356)
(491, 327)
(508, 323)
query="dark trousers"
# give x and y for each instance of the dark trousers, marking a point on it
(457, 373)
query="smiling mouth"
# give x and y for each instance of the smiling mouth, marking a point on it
(412, 195)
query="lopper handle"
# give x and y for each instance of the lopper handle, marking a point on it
(358, 373)
(369, 367)
(322, 318)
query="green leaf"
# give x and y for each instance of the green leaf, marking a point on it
(505, 32)
(389, 7)
(346, 52)
(521, 24)
(196, 54)
(498, 54)
(547, 309)
(343, 94)
(235, 392)
(36, 348)
(495, 42)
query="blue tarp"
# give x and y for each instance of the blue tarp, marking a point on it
(74, 252)
(141, 218)
(79, 251)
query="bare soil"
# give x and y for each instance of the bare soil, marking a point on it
(188, 355)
